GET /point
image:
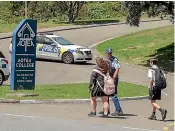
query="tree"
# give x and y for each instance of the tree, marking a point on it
(15, 6)
(70, 8)
(9, 12)
(152, 8)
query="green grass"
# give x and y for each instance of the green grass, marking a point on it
(72, 91)
(138, 48)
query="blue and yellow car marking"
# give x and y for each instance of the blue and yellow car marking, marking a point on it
(62, 50)
(71, 51)
(39, 47)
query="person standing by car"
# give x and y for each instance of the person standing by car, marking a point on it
(114, 67)
(154, 90)
(95, 87)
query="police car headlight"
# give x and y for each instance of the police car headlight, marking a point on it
(78, 52)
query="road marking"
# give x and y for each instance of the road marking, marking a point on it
(131, 128)
(164, 93)
(167, 95)
(19, 115)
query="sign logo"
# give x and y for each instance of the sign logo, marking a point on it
(26, 35)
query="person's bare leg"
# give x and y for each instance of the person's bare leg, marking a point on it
(162, 111)
(155, 105)
(102, 112)
(105, 105)
(93, 104)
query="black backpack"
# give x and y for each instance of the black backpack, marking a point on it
(160, 80)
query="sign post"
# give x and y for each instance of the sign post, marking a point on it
(23, 58)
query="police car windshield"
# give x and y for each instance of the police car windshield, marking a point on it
(62, 41)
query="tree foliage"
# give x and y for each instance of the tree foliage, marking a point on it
(152, 8)
(70, 8)
(13, 11)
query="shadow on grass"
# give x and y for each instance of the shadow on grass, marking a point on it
(100, 21)
(91, 22)
(165, 58)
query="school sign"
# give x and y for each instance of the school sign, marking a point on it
(23, 57)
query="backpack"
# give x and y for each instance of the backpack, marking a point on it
(109, 86)
(160, 80)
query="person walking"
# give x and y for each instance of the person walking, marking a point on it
(154, 90)
(114, 67)
(95, 87)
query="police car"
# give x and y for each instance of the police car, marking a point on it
(55, 47)
(4, 69)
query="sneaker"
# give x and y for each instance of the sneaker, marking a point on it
(120, 112)
(104, 116)
(164, 113)
(116, 113)
(91, 114)
(101, 112)
(152, 117)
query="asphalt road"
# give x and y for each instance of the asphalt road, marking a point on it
(73, 117)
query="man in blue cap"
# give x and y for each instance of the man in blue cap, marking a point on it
(114, 71)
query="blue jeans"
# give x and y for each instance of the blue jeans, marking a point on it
(115, 98)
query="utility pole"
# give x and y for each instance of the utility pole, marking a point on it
(25, 9)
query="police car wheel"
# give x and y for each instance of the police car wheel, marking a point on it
(1, 78)
(68, 58)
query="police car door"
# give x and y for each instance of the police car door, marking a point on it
(50, 49)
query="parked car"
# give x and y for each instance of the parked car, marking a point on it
(55, 47)
(4, 69)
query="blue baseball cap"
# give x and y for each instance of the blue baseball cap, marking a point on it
(108, 50)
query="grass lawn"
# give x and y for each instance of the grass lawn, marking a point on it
(72, 91)
(138, 48)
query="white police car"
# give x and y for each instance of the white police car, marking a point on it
(4, 69)
(55, 47)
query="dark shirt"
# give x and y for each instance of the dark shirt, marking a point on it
(94, 77)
